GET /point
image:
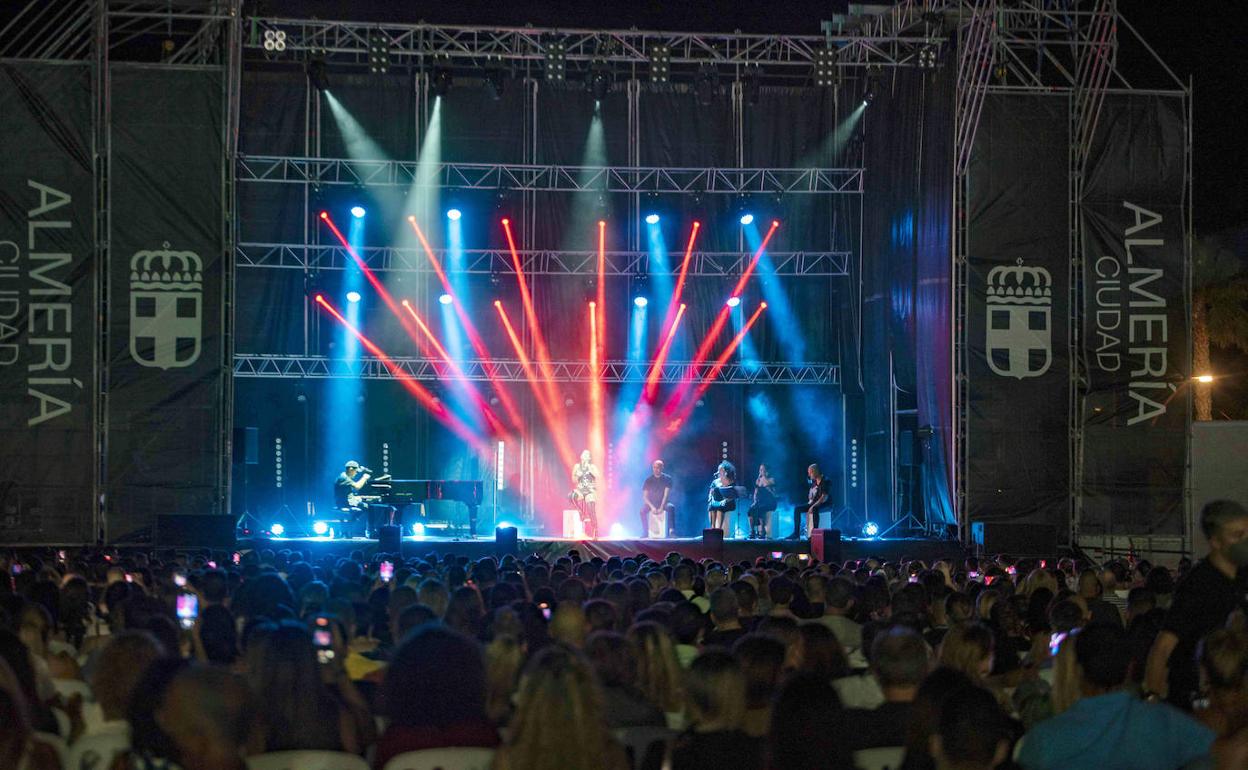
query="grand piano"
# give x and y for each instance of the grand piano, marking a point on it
(400, 493)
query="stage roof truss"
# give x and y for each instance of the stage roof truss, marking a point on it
(722, 264)
(550, 178)
(511, 370)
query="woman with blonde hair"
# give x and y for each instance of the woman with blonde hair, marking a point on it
(504, 658)
(716, 700)
(559, 721)
(658, 671)
(968, 649)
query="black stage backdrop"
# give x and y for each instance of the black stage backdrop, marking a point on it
(1017, 329)
(165, 295)
(1136, 411)
(47, 286)
(906, 290)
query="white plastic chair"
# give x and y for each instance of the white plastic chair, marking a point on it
(886, 758)
(306, 760)
(459, 758)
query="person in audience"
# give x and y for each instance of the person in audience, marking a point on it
(807, 726)
(22, 665)
(434, 694)
(968, 649)
(568, 625)
(925, 715)
(900, 660)
(465, 612)
(838, 603)
(19, 746)
(208, 715)
(659, 675)
(217, 635)
(504, 657)
(761, 659)
(747, 603)
(559, 722)
(120, 666)
(1223, 657)
(822, 655)
(715, 739)
(1202, 602)
(1109, 727)
(1092, 591)
(725, 616)
(972, 732)
(614, 659)
(433, 594)
(688, 624)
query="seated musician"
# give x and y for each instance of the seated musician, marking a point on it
(655, 492)
(584, 494)
(818, 500)
(722, 497)
(763, 505)
(347, 489)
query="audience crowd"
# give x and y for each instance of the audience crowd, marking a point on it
(566, 661)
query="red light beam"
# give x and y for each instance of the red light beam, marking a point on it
(716, 367)
(546, 407)
(656, 368)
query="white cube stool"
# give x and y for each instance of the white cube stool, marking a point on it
(573, 527)
(657, 524)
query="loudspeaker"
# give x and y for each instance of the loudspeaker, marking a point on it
(992, 537)
(713, 538)
(189, 530)
(825, 545)
(247, 446)
(506, 541)
(388, 539)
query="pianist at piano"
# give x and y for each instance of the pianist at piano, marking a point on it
(347, 485)
(384, 499)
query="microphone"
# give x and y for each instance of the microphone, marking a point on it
(365, 470)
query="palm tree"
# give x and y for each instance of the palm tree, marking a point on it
(1219, 310)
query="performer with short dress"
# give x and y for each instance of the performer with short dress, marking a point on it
(584, 494)
(722, 497)
(763, 504)
(655, 492)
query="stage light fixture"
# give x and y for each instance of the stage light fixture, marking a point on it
(1204, 378)
(640, 301)
(378, 53)
(353, 296)
(274, 40)
(870, 529)
(733, 301)
(556, 52)
(320, 528)
(418, 529)
(706, 84)
(826, 71)
(751, 83)
(927, 56)
(446, 299)
(357, 212)
(318, 73)
(454, 214)
(440, 77)
(495, 77)
(660, 63)
(747, 219)
(652, 219)
(277, 529)
(598, 82)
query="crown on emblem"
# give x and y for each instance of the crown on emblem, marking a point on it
(165, 269)
(1020, 285)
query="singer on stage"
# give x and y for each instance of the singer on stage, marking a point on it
(723, 494)
(584, 493)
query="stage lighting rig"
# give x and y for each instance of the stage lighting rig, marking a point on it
(827, 74)
(706, 84)
(495, 77)
(751, 82)
(556, 53)
(928, 56)
(598, 81)
(660, 63)
(318, 73)
(274, 40)
(440, 77)
(378, 53)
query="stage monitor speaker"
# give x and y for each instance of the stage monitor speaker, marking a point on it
(190, 530)
(713, 538)
(825, 545)
(506, 541)
(388, 539)
(990, 537)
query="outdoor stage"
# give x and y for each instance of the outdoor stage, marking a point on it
(552, 548)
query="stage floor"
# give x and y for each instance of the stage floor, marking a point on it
(892, 549)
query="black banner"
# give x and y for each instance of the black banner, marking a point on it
(47, 285)
(1135, 413)
(165, 295)
(1016, 327)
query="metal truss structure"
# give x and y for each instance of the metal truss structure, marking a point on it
(511, 370)
(721, 264)
(543, 178)
(413, 45)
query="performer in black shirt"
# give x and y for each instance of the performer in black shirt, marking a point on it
(817, 502)
(723, 495)
(763, 504)
(655, 492)
(346, 485)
